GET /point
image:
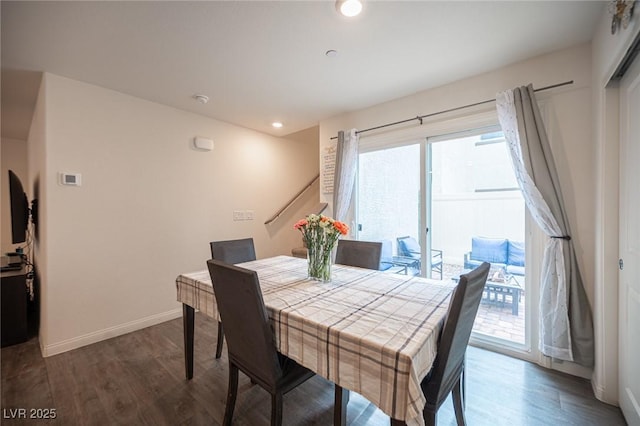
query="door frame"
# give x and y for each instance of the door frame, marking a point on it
(627, 295)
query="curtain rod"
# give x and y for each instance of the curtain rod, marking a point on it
(421, 117)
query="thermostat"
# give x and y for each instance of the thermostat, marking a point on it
(72, 179)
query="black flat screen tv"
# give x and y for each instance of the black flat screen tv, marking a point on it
(19, 209)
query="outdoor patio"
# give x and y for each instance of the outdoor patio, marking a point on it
(499, 321)
(495, 317)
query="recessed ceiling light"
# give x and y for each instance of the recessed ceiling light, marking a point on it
(349, 8)
(203, 99)
(331, 53)
(276, 124)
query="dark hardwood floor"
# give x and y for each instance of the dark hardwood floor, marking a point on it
(138, 379)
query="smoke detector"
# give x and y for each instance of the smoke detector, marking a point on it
(203, 99)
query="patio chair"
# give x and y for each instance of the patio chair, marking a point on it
(409, 247)
(447, 374)
(231, 251)
(250, 341)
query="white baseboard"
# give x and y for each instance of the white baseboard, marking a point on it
(108, 333)
(572, 368)
(602, 395)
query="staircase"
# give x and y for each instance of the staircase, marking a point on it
(317, 209)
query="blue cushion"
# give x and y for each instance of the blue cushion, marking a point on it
(515, 270)
(492, 250)
(409, 247)
(471, 264)
(516, 253)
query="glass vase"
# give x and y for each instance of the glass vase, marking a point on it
(319, 263)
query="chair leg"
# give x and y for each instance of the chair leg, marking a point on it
(232, 392)
(463, 378)
(220, 340)
(430, 417)
(276, 409)
(458, 402)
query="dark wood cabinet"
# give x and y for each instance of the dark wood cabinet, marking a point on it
(14, 326)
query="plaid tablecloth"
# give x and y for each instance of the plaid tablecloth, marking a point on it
(371, 332)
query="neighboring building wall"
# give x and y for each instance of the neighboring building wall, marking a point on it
(389, 190)
(148, 206)
(13, 156)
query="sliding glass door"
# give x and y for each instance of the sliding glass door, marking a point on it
(478, 214)
(444, 205)
(389, 202)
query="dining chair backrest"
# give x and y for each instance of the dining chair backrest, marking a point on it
(454, 338)
(250, 340)
(363, 254)
(233, 251)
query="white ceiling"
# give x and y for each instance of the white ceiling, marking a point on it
(264, 61)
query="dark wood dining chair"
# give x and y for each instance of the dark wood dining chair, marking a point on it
(363, 254)
(447, 374)
(231, 251)
(250, 340)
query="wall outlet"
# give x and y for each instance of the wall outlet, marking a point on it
(243, 215)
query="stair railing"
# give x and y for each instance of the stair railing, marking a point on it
(318, 209)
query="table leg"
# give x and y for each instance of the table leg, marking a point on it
(340, 406)
(188, 319)
(515, 299)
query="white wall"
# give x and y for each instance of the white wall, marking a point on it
(36, 151)
(567, 113)
(148, 206)
(608, 50)
(13, 156)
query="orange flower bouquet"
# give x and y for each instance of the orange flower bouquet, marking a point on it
(320, 234)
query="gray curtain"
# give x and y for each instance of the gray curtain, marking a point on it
(565, 314)
(345, 172)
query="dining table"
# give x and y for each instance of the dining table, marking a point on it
(370, 332)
